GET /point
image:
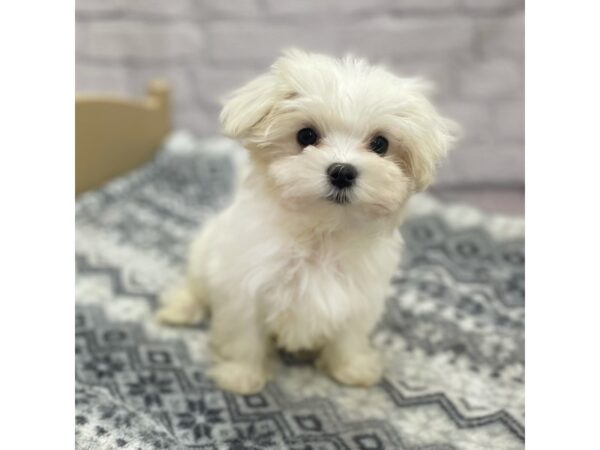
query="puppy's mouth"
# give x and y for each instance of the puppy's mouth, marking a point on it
(340, 196)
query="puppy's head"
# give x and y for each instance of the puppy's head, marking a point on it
(338, 134)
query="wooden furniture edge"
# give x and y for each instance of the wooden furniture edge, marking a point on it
(114, 135)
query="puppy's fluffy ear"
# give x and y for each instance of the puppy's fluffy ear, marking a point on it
(248, 105)
(429, 134)
(432, 148)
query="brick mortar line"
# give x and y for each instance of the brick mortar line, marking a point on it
(84, 57)
(287, 19)
(131, 63)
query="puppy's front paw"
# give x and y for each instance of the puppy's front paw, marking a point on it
(170, 315)
(363, 369)
(180, 308)
(239, 377)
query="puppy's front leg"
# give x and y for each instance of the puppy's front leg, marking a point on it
(182, 305)
(242, 353)
(350, 359)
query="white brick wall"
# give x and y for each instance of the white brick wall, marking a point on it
(472, 49)
(137, 41)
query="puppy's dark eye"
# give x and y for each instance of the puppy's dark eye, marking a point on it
(379, 145)
(307, 136)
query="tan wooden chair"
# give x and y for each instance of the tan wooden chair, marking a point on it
(115, 135)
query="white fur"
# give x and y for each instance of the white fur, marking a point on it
(283, 266)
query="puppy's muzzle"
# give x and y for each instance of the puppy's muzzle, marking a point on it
(342, 175)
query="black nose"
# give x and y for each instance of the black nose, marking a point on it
(342, 175)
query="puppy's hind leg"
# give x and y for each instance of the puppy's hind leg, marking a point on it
(182, 305)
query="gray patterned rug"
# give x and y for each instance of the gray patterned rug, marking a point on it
(452, 335)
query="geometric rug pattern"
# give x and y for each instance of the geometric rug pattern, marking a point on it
(452, 336)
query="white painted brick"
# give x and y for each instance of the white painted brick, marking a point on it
(509, 119)
(494, 78)
(378, 38)
(493, 6)
(138, 41)
(101, 79)
(503, 36)
(389, 38)
(197, 120)
(337, 7)
(473, 118)
(97, 6)
(449, 172)
(491, 163)
(432, 6)
(257, 45)
(212, 84)
(439, 72)
(230, 8)
(163, 9)
(319, 7)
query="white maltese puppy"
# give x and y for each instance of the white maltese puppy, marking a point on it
(303, 257)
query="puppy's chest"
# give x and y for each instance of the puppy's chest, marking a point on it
(313, 293)
(318, 270)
